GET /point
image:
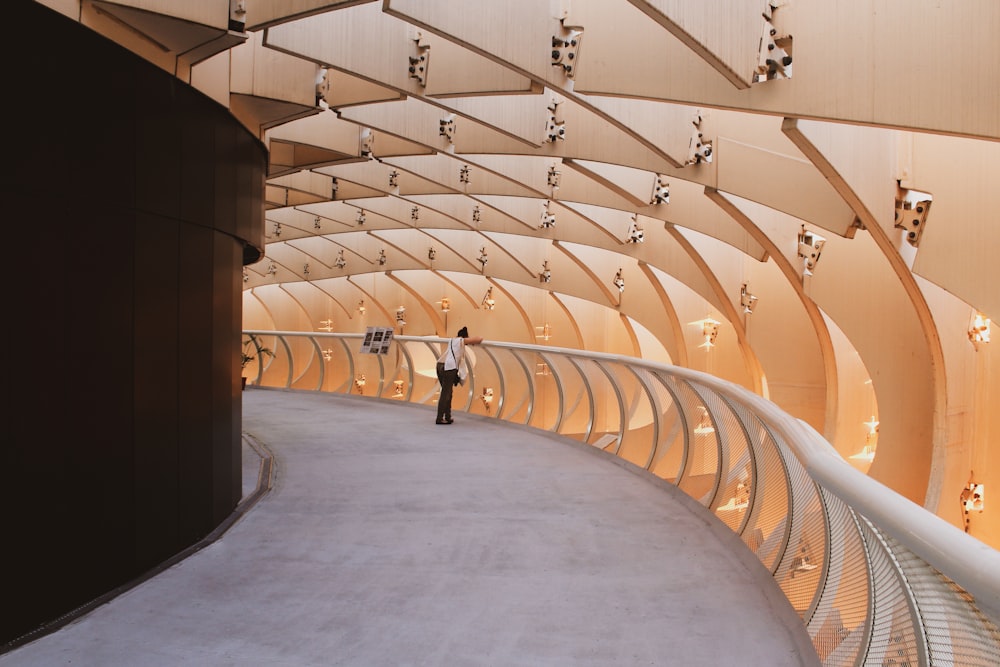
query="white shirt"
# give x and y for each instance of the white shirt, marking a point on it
(453, 354)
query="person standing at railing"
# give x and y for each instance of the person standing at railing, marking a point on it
(452, 370)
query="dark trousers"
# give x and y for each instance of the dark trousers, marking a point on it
(447, 380)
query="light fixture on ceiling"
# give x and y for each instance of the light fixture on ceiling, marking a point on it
(401, 316)
(397, 388)
(487, 398)
(361, 306)
(367, 143)
(747, 300)
(661, 190)
(979, 329)
(325, 325)
(704, 426)
(546, 275)
(545, 331)
(912, 208)
(973, 498)
(709, 331)
(340, 262)
(555, 124)
(327, 354)
(489, 303)
(548, 218)
(635, 232)
(360, 382)
(554, 177)
(619, 282)
(445, 304)
(803, 561)
(740, 500)
(867, 452)
(447, 128)
(699, 148)
(810, 246)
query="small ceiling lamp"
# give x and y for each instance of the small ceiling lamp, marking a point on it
(548, 218)
(747, 300)
(554, 177)
(810, 246)
(397, 388)
(619, 282)
(973, 498)
(487, 397)
(489, 303)
(401, 316)
(802, 561)
(359, 382)
(704, 426)
(445, 304)
(661, 190)
(709, 331)
(361, 306)
(867, 453)
(545, 331)
(546, 275)
(979, 329)
(326, 325)
(327, 354)
(635, 231)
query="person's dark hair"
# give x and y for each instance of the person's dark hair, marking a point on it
(463, 332)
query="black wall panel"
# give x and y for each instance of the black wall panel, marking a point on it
(133, 198)
(156, 388)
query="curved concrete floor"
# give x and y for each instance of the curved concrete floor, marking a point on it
(389, 540)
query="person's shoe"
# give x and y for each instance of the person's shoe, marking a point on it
(445, 421)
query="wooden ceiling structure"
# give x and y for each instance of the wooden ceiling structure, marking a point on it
(815, 178)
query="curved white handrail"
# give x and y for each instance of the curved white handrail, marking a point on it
(871, 573)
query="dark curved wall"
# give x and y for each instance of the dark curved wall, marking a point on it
(129, 200)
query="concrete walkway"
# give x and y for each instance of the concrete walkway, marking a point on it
(389, 540)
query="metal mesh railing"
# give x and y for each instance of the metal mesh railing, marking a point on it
(876, 579)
